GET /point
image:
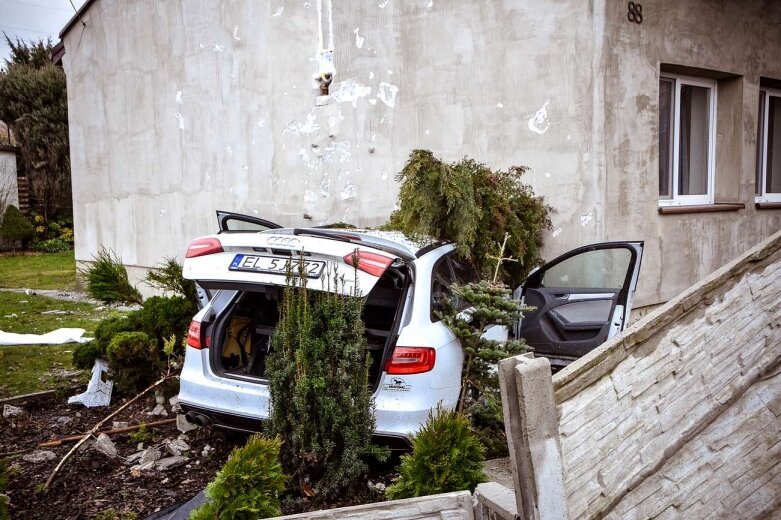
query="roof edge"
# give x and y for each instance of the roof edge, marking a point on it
(76, 17)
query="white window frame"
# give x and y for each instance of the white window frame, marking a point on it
(762, 194)
(684, 200)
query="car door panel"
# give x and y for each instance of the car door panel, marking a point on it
(580, 299)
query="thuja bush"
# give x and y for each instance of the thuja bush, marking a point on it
(162, 321)
(473, 206)
(491, 304)
(14, 226)
(248, 485)
(446, 456)
(321, 405)
(107, 279)
(168, 277)
(134, 361)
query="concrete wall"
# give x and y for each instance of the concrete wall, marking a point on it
(9, 191)
(181, 108)
(682, 416)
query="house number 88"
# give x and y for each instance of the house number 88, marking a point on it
(635, 13)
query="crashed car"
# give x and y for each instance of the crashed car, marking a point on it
(581, 299)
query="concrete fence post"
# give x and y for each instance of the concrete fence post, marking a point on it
(532, 427)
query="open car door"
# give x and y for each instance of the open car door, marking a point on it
(581, 299)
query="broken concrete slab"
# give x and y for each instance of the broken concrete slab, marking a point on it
(183, 424)
(159, 410)
(176, 447)
(174, 402)
(39, 456)
(170, 462)
(104, 445)
(99, 389)
(147, 459)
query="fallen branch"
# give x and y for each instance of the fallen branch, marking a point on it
(59, 442)
(92, 432)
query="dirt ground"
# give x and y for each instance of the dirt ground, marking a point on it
(91, 483)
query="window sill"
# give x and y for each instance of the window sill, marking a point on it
(702, 208)
(767, 205)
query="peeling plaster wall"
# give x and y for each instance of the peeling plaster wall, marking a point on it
(181, 108)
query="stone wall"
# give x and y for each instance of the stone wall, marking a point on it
(678, 417)
(681, 416)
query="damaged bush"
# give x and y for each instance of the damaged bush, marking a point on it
(134, 360)
(446, 456)
(167, 276)
(321, 406)
(473, 206)
(107, 279)
(248, 486)
(162, 317)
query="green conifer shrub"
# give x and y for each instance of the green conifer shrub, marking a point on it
(134, 360)
(14, 226)
(473, 206)
(85, 354)
(446, 456)
(491, 305)
(107, 279)
(168, 276)
(321, 405)
(248, 485)
(161, 317)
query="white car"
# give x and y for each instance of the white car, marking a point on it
(416, 359)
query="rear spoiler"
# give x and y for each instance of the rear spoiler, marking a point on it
(346, 236)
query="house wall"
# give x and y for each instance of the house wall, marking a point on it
(180, 108)
(9, 191)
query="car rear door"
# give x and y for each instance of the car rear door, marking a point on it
(237, 259)
(581, 299)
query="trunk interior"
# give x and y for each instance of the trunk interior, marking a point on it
(242, 334)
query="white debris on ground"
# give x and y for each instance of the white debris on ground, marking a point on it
(10, 410)
(174, 402)
(55, 337)
(158, 410)
(99, 389)
(177, 447)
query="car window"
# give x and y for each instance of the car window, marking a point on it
(441, 280)
(597, 269)
(464, 271)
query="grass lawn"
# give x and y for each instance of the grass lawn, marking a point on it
(39, 271)
(28, 368)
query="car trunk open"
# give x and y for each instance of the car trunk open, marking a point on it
(241, 334)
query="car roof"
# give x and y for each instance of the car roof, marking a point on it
(395, 239)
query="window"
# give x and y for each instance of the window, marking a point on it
(687, 130)
(768, 186)
(441, 280)
(597, 269)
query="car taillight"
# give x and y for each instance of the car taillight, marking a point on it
(203, 246)
(195, 337)
(411, 360)
(371, 263)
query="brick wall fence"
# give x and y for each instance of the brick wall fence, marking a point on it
(680, 416)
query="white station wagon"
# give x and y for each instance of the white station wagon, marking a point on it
(581, 299)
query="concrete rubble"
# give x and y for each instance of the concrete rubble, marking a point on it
(10, 410)
(104, 445)
(176, 447)
(183, 424)
(99, 389)
(170, 462)
(39, 456)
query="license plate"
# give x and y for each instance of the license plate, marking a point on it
(275, 265)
